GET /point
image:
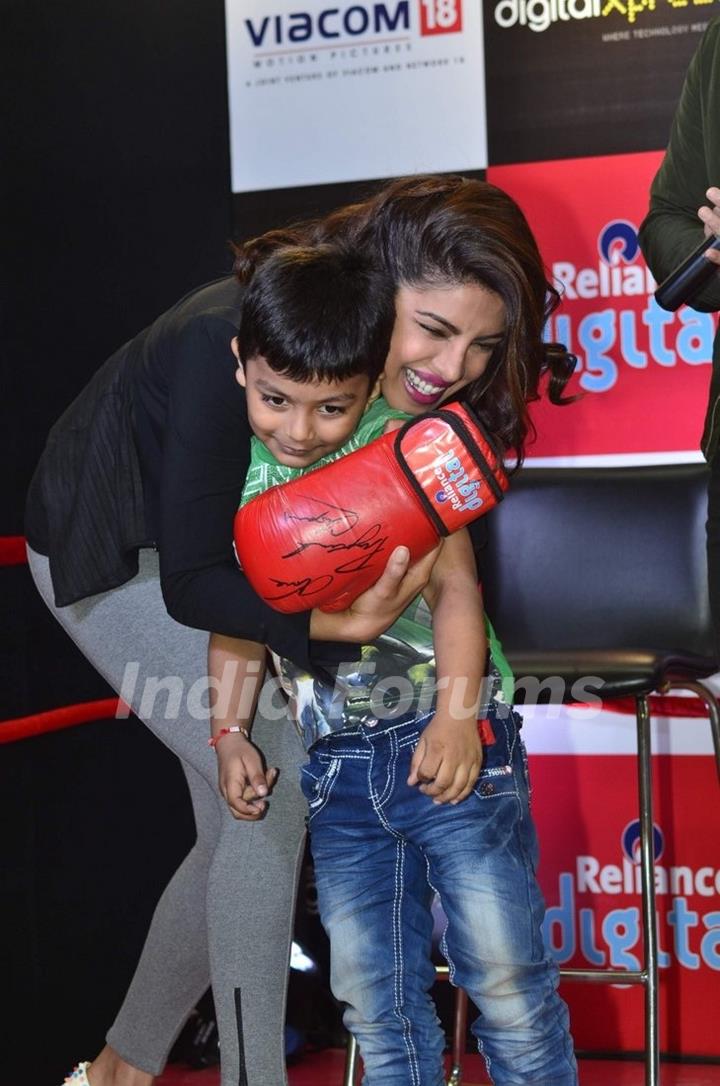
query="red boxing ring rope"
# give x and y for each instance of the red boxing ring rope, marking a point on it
(54, 720)
(12, 550)
(13, 553)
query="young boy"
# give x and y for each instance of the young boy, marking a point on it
(313, 338)
(398, 805)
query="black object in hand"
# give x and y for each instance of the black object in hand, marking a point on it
(688, 277)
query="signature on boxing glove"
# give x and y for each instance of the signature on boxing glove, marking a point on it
(334, 521)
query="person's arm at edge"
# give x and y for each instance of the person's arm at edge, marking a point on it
(672, 228)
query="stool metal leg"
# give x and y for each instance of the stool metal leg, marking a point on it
(706, 695)
(459, 1030)
(351, 1062)
(647, 874)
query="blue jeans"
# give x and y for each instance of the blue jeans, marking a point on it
(381, 850)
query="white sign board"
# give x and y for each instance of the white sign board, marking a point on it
(361, 90)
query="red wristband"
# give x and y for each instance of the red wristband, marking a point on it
(235, 729)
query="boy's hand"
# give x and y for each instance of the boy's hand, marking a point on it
(447, 760)
(242, 777)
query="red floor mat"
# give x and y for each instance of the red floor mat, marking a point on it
(326, 1069)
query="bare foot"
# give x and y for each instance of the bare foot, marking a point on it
(109, 1069)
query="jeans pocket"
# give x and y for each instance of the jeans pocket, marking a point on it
(494, 781)
(317, 781)
(498, 774)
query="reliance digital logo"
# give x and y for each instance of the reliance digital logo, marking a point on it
(618, 242)
(614, 938)
(631, 842)
(609, 317)
(337, 24)
(617, 273)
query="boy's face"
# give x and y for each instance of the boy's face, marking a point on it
(301, 422)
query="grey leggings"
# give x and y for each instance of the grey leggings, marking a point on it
(226, 916)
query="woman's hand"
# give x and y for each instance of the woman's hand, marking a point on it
(242, 777)
(378, 606)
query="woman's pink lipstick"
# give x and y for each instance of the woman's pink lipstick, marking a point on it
(413, 380)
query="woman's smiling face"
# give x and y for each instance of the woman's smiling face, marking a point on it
(442, 340)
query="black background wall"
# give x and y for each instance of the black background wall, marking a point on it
(116, 202)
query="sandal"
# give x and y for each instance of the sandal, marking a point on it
(78, 1075)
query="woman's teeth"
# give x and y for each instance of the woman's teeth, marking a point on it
(423, 386)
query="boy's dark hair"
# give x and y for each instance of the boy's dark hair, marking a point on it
(318, 312)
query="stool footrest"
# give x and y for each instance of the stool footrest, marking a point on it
(606, 976)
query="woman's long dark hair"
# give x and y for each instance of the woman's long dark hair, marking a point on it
(443, 229)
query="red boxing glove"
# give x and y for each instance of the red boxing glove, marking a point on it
(322, 539)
